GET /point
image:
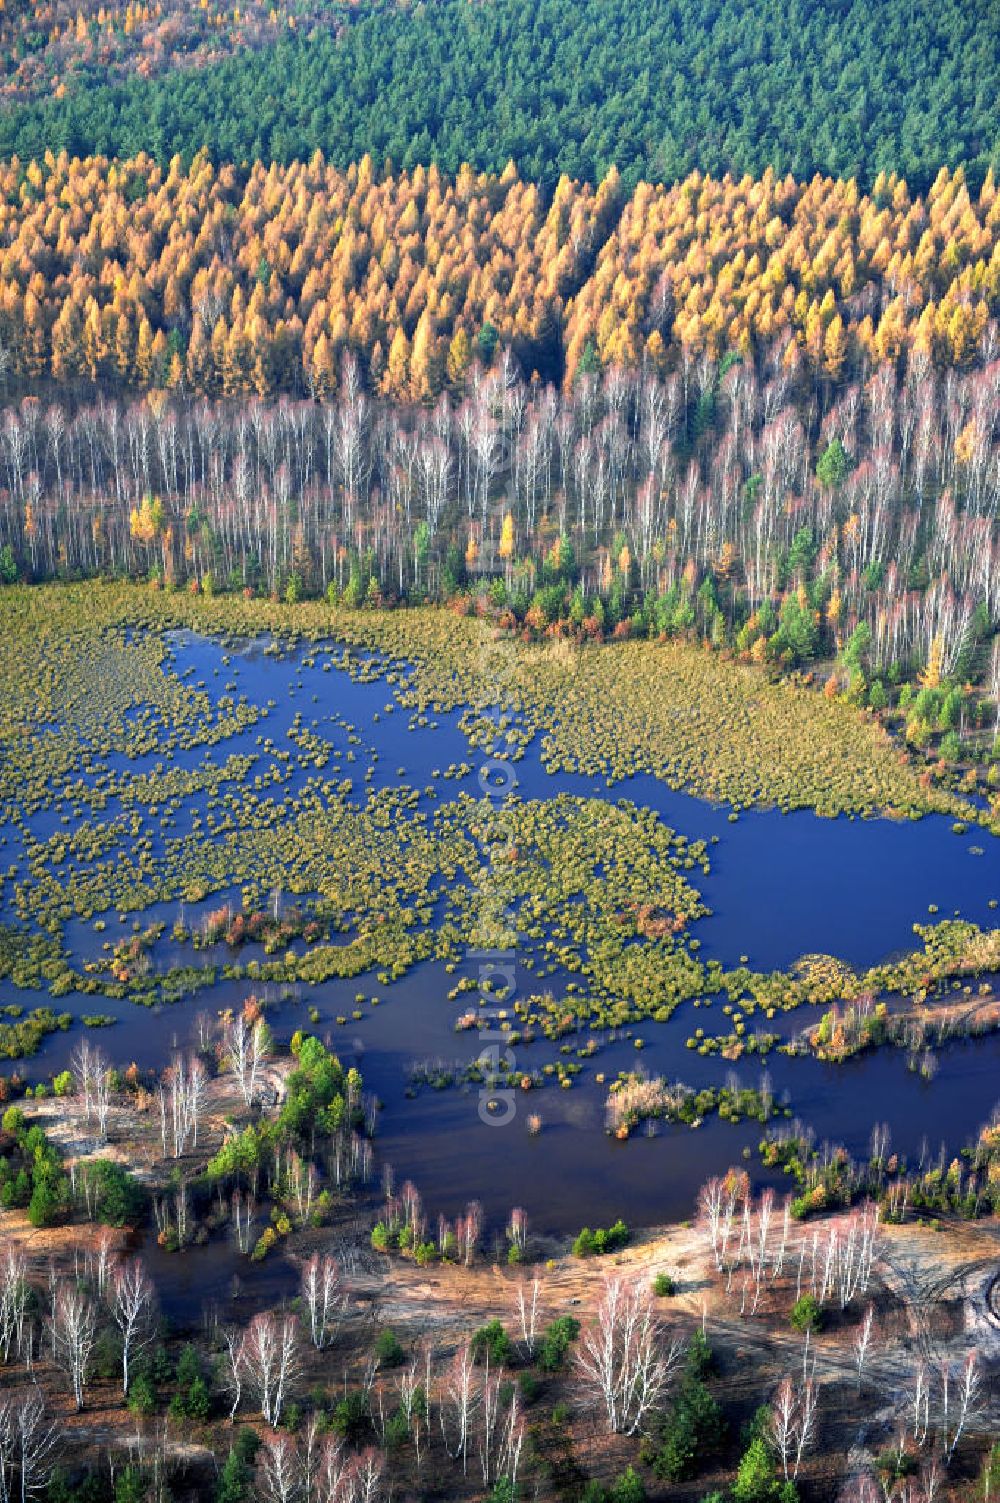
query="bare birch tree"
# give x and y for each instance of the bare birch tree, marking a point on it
(458, 1403)
(324, 1297)
(15, 1293)
(181, 1096)
(781, 1424)
(132, 1305)
(862, 1342)
(236, 1367)
(623, 1359)
(73, 1330)
(85, 1063)
(244, 1208)
(279, 1472)
(961, 1401)
(102, 1093)
(28, 1444)
(245, 1048)
(527, 1313)
(271, 1361)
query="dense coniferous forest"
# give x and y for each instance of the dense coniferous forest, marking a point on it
(235, 282)
(844, 87)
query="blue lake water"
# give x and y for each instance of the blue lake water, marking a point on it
(780, 886)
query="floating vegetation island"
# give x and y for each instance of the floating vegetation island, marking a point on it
(690, 717)
(161, 814)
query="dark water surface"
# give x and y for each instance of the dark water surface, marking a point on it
(780, 886)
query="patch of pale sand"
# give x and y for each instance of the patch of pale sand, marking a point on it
(133, 1138)
(447, 1298)
(59, 1245)
(920, 1266)
(129, 1437)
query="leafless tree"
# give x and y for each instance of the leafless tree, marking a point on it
(86, 1063)
(303, 1185)
(527, 1312)
(245, 1048)
(15, 1293)
(792, 1423)
(931, 1477)
(623, 1359)
(325, 1298)
(102, 1093)
(271, 1361)
(718, 1204)
(458, 1403)
(468, 1229)
(961, 1401)
(919, 1405)
(132, 1304)
(244, 1212)
(778, 1262)
(236, 1367)
(205, 1027)
(781, 1424)
(335, 1474)
(310, 1455)
(500, 1436)
(28, 1443)
(73, 1329)
(862, 1488)
(862, 1342)
(182, 1096)
(279, 1473)
(859, 1247)
(172, 1213)
(489, 1422)
(37, 1444)
(368, 1476)
(517, 1228)
(413, 1405)
(512, 1444)
(100, 1256)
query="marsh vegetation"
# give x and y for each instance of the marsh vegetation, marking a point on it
(252, 837)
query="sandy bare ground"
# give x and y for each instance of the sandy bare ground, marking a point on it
(133, 1137)
(929, 1295)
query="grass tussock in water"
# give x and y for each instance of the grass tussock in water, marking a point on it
(127, 783)
(718, 729)
(687, 715)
